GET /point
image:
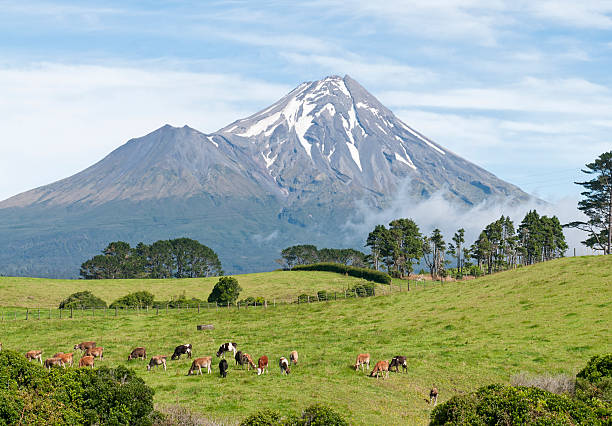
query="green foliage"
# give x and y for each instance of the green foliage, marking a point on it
(180, 301)
(82, 299)
(598, 367)
(365, 273)
(503, 404)
(133, 300)
(306, 254)
(34, 395)
(178, 258)
(225, 291)
(398, 247)
(314, 415)
(594, 381)
(252, 301)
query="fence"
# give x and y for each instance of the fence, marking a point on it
(19, 313)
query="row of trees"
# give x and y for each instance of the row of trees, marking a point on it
(178, 258)
(306, 254)
(401, 246)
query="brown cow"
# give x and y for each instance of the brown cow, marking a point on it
(198, 363)
(86, 361)
(95, 352)
(381, 367)
(246, 358)
(262, 364)
(293, 357)
(30, 355)
(362, 361)
(49, 362)
(66, 358)
(138, 353)
(157, 360)
(83, 346)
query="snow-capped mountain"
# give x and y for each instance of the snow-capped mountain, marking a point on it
(293, 170)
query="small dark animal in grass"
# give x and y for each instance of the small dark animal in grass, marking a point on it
(95, 352)
(50, 362)
(262, 364)
(382, 368)
(157, 360)
(138, 353)
(433, 396)
(86, 361)
(284, 365)
(239, 358)
(397, 361)
(83, 346)
(226, 347)
(293, 357)
(30, 355)
(362, 361)
(182, 350)
(223, 368)
(200, 363)
(66, 358)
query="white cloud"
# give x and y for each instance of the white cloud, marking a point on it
(58, 119)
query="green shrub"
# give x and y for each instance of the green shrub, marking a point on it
(180, 302)
(365, 273)
(322, 415)
(598, 367)
(503, 404)
(72, 396)
(252, 301)
(82, 299)
(133, 300)
(264, 417)
(594, 384)
(225, 291)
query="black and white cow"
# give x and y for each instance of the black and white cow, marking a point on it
(181, 350)
(223, 368)
(226, 347)
(398, 361)
(284, 365)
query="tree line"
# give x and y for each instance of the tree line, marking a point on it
(400, 247)
(177, 258)
(306, 254)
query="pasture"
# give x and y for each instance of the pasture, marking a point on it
(547, 318)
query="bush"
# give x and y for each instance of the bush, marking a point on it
(598, 367)
(365, 273)
(264, 417)
(180, 302)
(503, 404)
(82, 299)
(315, 415)
(71, 396)
(321, 415)
(252, 301)
(594, 383)
(225, 291)
(133, 300)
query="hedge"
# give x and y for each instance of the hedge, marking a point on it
(365, 273)
(82, 299)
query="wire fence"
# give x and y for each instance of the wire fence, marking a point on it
(47, 313)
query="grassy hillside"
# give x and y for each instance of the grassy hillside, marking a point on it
(548, 318)
(41, 292)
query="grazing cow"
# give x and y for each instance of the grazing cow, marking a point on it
(138, 353)
(66, 358)
(262, 364)
(433, 395)
(226, 347)
(86, 361)
(198, 363)
(83, 346)
(362, 361)
(223, 368)
(246, 359)
(157, 360)
(239, 358)
(397, 361)
(382, 368)
(50, 362)
(30, 355)
(95, 352)
(293, 357)
(284, 365)
(181, 350)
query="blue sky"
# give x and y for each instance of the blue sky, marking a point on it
(521, 88)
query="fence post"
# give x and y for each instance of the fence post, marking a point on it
(157, 310)
(198, 307)
(27, 313)
(228, 305)
(308, 299)
(70, 312)
(274, 303)
(15, 315)
(166, 309)
(60, 314)
(345, 294)
(216, 306)
(49, 313)
(115, 311)
(93, 311)
(38, 313)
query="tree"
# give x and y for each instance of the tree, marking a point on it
(225, 291)
(433, 253)
(455, 249)
(302, 254)
(406, 243)
(377, 240)
(597, 204)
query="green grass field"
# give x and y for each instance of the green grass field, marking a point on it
(548, 318)
(281, 285)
